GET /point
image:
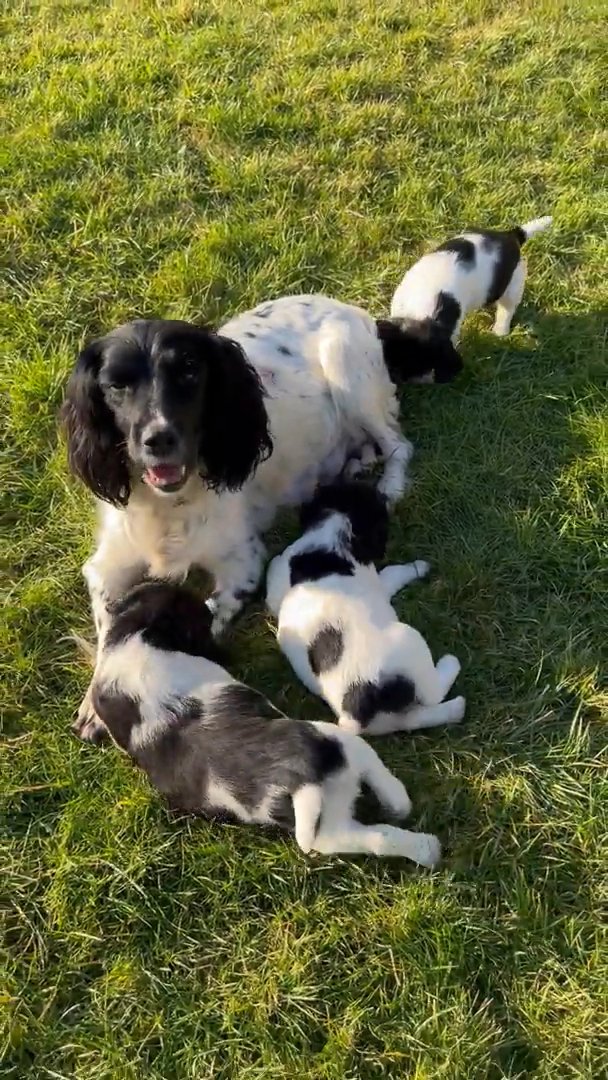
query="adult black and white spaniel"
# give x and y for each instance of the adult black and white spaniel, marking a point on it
(192, 439)
(215, 747)
(338, 629)
(477, 268)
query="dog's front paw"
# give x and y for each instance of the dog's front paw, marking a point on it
(87, 725)
(422, 568)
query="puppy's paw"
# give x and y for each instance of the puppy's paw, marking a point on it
(428, 850)
(422, 568)
(448, 670)
(397, 800)
(455, 710)
(501, 329)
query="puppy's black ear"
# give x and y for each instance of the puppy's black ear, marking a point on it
(95, 448)
(234, 428)
(417, 350)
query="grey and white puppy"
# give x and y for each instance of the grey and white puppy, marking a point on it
(213, 746)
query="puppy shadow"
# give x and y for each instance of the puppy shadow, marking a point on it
(560, 340)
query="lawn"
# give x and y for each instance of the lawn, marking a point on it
(190, 159)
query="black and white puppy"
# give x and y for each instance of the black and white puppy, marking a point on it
(215, 747)
(472, 270)
(337, 627)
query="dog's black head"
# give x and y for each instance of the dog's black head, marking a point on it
(365, 508)
(418, 350)
(161, 400)
(168, 616)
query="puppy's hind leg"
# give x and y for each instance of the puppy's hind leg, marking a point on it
(427, 716)
(395, 578)
(307, 802)
(447, 670)
(383, 840)
(507, 304)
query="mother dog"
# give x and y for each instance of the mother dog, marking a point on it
(192, 439)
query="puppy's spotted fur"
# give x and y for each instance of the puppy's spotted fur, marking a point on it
(467, 272)
(338, 628)
(215, 747)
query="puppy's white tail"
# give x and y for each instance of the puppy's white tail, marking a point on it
(539, 224)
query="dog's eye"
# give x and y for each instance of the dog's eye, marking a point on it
(120, 382)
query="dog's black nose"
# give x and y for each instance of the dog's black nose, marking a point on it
(160, 439)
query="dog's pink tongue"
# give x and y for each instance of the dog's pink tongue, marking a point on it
(164, 474)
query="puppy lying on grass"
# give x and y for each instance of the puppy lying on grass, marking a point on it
(215, 747)
(338, 629)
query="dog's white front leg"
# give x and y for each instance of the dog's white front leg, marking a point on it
(237, 577)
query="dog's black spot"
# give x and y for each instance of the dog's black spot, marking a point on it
(263, 312)
(328, 756)
(447, 312)
(248, 333)
(505, 248)
(119, 712)
(318, 563)
(168, 616)
(364, 700)
(325, 650)
(284, 350)
(463, 249)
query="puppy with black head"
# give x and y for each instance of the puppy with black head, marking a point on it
(214, 747)
(470, 271)
(338, 629)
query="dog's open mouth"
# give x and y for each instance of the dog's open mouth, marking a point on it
(165, 477)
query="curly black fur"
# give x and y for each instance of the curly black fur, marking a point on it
(234, 427)
(96, 449)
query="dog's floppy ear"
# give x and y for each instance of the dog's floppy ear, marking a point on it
(234, 428)
(417, 350)
(95, 448)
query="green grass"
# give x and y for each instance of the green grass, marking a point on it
(190, 159)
